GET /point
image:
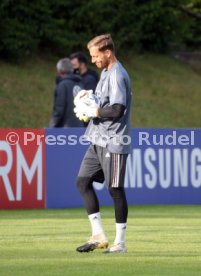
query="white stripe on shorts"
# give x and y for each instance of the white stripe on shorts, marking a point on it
(116, 170)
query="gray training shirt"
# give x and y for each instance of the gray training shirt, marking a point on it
(114, 87)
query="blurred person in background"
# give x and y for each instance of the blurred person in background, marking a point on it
(89, 77)
(68, 85)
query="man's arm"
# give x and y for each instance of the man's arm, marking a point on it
(114, 111)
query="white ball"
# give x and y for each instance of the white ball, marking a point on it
(90, 100)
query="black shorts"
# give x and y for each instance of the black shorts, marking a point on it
(101, 165)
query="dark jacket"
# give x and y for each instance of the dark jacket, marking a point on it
(66, 89)
(90, 80)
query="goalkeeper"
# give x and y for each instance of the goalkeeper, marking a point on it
(105, 159)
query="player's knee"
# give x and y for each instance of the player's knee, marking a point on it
(116, 192)
(83, 184)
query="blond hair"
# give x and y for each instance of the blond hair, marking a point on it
(103, 42)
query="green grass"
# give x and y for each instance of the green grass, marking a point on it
(161, 240)
(26, 93)
(166, 92)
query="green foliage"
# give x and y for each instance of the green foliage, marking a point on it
(193, 36)
(64, 26)
(27, 25)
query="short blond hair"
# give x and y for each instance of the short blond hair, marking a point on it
(103, 42)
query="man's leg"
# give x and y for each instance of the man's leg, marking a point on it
(85, 187)
(121, 213)
(114, 171)
(89, 171)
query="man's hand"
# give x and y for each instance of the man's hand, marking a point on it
(86, 106)
(81, 94)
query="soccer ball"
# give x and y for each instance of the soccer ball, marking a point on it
(85, 104)
(84, 118)
(91, 100)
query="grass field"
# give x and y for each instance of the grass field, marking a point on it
(166, 92)
(161, 240)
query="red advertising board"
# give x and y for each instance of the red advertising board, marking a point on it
(22, 168)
